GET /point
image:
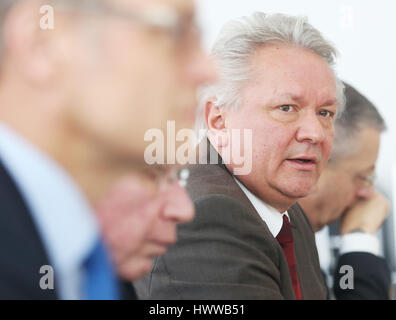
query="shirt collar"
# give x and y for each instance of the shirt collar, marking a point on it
(62, 214)
(272, 217)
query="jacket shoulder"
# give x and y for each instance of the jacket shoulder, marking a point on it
(23, 251)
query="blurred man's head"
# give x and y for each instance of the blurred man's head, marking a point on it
(151, 215)
(349, 174)
(277, 80)
(108, 71)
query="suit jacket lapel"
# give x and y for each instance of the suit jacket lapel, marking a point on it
(21, 249)
(233, 189)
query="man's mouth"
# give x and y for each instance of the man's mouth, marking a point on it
(303, 160)
(304, 163)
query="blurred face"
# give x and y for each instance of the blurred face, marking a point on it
(138, 222)
(289, 105)
(345, 181)
(127, 77)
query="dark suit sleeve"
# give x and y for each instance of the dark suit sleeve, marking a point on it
(222, 254)
(127, 290)
(372, 278)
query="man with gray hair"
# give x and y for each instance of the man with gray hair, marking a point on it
(76, 99)
(345, 190)
(250, 240)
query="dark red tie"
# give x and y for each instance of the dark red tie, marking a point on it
(285, 239)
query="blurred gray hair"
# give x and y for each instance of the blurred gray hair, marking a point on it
(238, 41)
(5, 6)
(359, 114)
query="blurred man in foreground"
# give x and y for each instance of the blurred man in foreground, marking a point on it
(249, 239)
(75, 103)
(345, 189)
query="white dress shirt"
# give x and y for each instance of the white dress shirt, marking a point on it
(272, 217)
(62, 215)
(360, 242)
(352, 242)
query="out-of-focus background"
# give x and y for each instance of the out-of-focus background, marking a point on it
(364, 33)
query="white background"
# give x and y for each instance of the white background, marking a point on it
(363, 32)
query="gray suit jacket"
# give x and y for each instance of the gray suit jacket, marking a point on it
(228, 252)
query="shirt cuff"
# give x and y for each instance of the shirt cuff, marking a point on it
(360, 242)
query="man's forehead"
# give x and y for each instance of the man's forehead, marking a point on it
(287, 61)
(362, 153)
(297, 94)
(307, 76)
(183, 6)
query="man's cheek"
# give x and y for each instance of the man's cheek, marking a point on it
(327, 151)
(155, 231)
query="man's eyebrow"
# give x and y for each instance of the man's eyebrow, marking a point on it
(293, 96)
(300, 98)
(330, 102)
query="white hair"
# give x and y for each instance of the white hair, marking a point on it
(239, 40)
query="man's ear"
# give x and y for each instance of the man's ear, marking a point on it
(215, 121)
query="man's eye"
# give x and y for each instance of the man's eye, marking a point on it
(326, 113)
(286, 108)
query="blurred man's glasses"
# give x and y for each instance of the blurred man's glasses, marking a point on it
(164, 175)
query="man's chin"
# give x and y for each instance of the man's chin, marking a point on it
(296, 192)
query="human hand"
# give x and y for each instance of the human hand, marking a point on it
(366, 215)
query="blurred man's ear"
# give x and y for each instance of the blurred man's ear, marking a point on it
(215, 122)
(27, 48)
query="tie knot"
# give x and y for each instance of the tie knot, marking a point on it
(285, 234)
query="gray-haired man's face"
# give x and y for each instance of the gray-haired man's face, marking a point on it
(289, 104)
(136, 78)
(112, 76)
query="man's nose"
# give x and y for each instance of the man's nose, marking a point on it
(310, 129)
